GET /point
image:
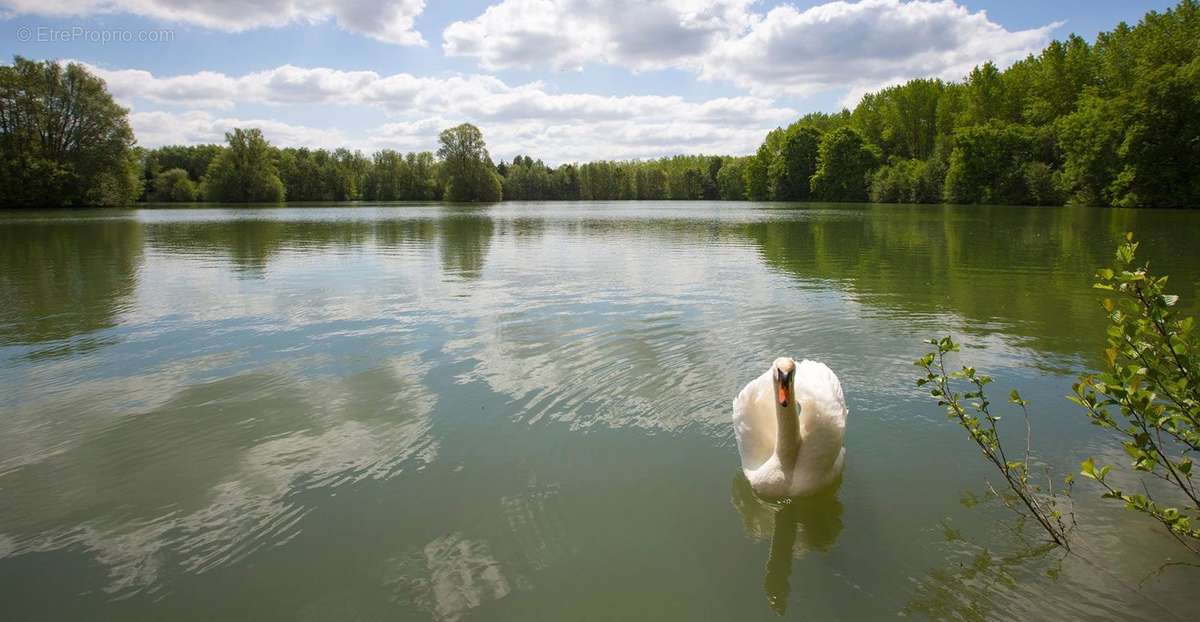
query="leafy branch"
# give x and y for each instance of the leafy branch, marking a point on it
(975, 416)
(1150, 381)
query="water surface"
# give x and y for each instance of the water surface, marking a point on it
(431, 412)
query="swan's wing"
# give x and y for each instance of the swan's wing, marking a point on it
(754, 422)
(817, 385)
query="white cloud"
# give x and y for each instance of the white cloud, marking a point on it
(866, 44)
(289, 84)
(156, 128)
(835, 45)
(386, 20)
(205, 89)
(526, 118)
(286, 84)
(474, 96)
(568, 34)
(419, 135)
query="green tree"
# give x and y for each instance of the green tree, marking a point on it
(1161, 149)
(466, 166)
(1089, 139)
(792, 168)
(730, 180)
(987, 164)
(825, 122)
(1057, 78)
(844, 164)
(1040, 185)
(425, 174)
(244, 172)
(346, 174)
(527, 179)
(754, 175)
(387, 176)
(302, 173)
(906, 181)
(174, 186)
(914, 117)
(194, 159)
(987, 97)
(566, 182)
(769, 153)
(63, 140)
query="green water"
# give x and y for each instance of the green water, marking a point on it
(522, 412)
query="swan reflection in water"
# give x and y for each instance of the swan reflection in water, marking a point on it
(795, 527)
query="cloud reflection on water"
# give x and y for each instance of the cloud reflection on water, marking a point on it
(211, 478)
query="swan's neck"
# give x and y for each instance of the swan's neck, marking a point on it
(787, 438)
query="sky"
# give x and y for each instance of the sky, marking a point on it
(560, 80)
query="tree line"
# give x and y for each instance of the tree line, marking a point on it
(1110, 123)
(1113, 123)
(249, 169)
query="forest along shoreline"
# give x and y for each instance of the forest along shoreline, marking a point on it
(1114, 122)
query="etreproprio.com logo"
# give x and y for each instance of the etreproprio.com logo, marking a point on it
(100, 36)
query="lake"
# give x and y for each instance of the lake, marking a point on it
(521, 411)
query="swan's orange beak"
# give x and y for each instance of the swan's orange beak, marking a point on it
(784, 395)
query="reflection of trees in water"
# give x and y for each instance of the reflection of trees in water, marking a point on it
(1008, 571)
(990, 265)
(464, 236)
(794, 528)
(59, 279)
(987, 264)
(250, 244)
(977, 581)
(521, 228)
(407, 232)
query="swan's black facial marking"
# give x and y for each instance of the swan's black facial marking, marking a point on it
(783, 384)
(784, 370)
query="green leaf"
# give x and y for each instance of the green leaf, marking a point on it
(1087, 468)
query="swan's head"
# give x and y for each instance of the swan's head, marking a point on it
(783, 374)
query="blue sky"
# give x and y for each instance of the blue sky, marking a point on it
(564, 80)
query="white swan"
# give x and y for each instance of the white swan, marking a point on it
(786, 453)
